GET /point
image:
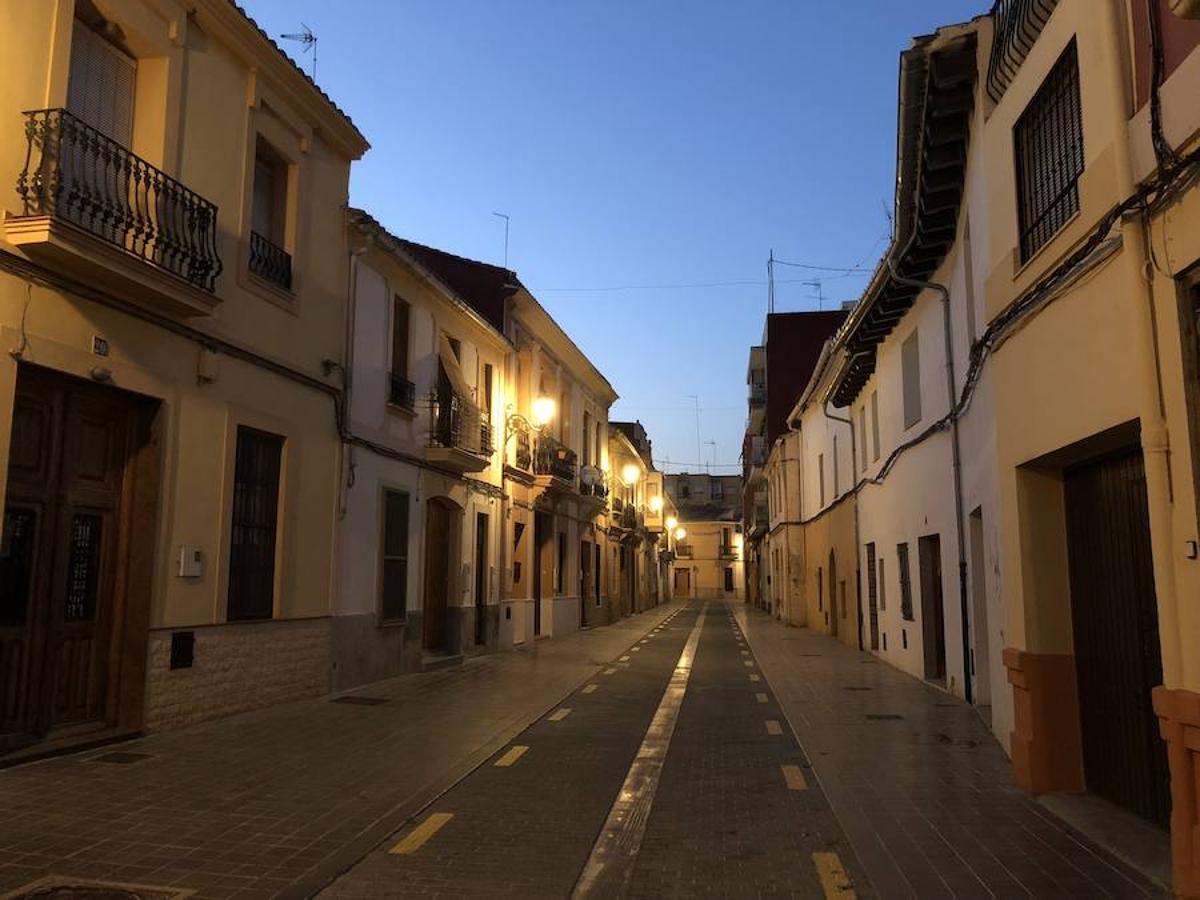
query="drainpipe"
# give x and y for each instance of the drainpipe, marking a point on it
(951, 397)
(857, 536)
(1155, 443)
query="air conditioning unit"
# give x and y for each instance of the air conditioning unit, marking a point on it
(1186, 9)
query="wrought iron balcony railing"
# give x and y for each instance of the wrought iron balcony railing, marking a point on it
(456, 422)
(269, 262)
(402, 393)
(75, 173)
(629, 517)
(758, 394)
(683, 551)
(553, 458)
(592, 482)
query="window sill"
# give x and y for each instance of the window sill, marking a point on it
(391, 623)
(284, 299)
(1019, 268)
(402, 411)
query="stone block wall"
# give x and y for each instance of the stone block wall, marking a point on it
(236, 667)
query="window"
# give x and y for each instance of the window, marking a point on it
(716, 491)
(875, 426)
(728, 579)
(255, 519)
(100, 86)
(821, 475)
(518, 533)
(820, 590)
(1048, 145)
(882, 590)
(872, 596)
(403, 391)
(393, 587)
(684, 490)
(910, 361)
(268, 260)
(585, 565)
(862, 438)
(560, 571)
(906, 604)
(587, 438)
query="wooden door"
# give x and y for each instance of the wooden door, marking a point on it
(683, 585)
(437, 573)
(833, 607)
(58, 556)
(1114, 614)
(933, 619)
(481, 577)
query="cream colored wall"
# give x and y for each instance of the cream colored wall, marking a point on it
(706, 564)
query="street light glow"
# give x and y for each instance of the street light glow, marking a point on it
(680, 534)
(543, 411)
(656, 503)
(630, 473)
(671, 523)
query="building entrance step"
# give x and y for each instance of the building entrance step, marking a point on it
(431, 662)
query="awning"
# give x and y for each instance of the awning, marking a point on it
(454, 372)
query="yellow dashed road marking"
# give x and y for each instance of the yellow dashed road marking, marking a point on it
(559, 714)
(418, 836)
(754, 677)
(747, 662)
(610, 671)
(773, 727)
(745, 653)
(590, 688)
(634, 649)
(761, 698)
(514, 753)
(624, 658)
(834, 880)
(794, 778)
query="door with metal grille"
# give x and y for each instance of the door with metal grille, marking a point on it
(58, 555)
(1114, 615)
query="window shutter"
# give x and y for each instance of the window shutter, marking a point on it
(394, 587)
(101, 83)
(399, 337)
(910, 357)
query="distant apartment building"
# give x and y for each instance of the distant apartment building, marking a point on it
(777, 372)
(708, 560)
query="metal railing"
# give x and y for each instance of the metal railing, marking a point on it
(683, 551)
(554, 458)
(76, 173)
(270, 262)
(758, 394)
(457, 422)
(402, 392)
(523, 454)
(592, 482)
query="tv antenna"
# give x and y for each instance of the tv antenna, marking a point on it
(816, 283)
(309, 40)
(504, 216)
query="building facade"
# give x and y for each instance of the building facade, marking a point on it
(708, 553)
(173, 298)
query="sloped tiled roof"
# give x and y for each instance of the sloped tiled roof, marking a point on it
(480, 285)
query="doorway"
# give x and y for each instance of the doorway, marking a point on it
(683, 584)
(440, 515)
(933, 623)
(1114, 618)
(585, 580)
(872, 597)
(543, 564)
(833, 608)
(75, 558)
(481, 577)
(981, 667)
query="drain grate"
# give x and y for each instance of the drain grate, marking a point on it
(883, 717)
(121, 757)
(361, 701)
(55, 887)
(856, 687)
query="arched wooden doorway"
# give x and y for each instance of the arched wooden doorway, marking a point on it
(441, 533)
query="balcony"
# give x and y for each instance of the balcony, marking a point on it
(107, 217)
(593, 488)
(270, 263)
(402, 393)
(554, 464)
(758, 395)
(683, 551)
(728, 551)
(460, 434)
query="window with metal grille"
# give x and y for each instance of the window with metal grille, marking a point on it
(1049, 155)
(728, 579)
(906, 604)
(393, 587)
(253, 530)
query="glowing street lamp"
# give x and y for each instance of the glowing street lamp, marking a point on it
(543, 411)
(630, 473)
(656, 504)
(671, 523)
(680, 534)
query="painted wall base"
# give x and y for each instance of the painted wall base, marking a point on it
(1178, 714)
(1047, 752)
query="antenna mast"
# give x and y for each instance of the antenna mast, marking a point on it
(309, 40)
(505, 218)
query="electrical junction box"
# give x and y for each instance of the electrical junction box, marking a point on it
(191, 561)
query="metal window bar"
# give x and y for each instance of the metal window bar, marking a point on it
(1049, 155)
(553, 458)
(253, 529)
(270, 262)
(402, 392)
(523, 455)
(76, 173)
(1017, 26)
(459, 423)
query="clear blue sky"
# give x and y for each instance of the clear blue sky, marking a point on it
(633, 144)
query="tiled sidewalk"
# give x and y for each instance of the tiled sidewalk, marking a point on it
(925, 796)
(280, 800)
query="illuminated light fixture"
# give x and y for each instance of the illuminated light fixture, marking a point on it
(656, 503)
(630, 473)
(543, 411)
(680, 534)
(671, 522)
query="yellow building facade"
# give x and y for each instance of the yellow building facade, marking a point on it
(173, 299)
